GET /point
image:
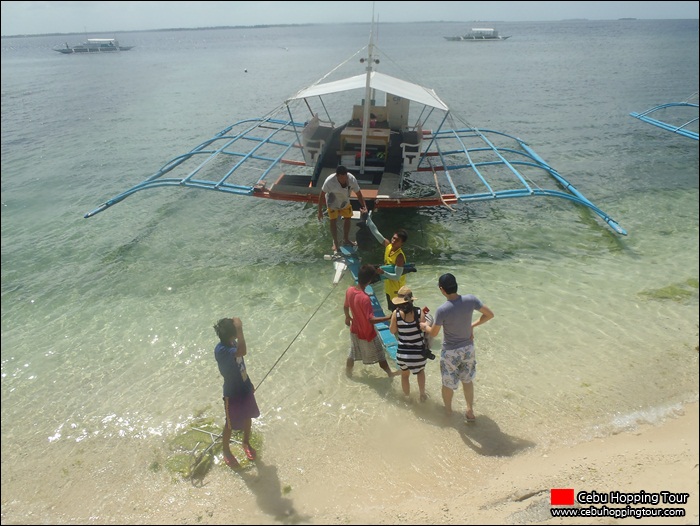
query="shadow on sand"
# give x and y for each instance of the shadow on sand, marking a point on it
(484, 436)
(266, 486)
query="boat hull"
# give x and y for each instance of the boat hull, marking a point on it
(478, 34)
(94, 45)
(474, 39)
(89, 50)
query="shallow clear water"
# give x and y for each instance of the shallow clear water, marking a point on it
(107, 322)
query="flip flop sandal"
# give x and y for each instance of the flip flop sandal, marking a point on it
(249, 452)
(231, 462)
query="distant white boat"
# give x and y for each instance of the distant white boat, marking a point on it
(94, 45)
(479, 34)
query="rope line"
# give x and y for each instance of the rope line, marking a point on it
(294, 339)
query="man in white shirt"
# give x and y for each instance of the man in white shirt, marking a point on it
(335, 194)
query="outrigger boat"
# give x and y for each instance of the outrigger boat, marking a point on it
(404, 148)
(685, 129)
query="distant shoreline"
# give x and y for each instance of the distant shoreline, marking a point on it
(82, 33)
(263, 26)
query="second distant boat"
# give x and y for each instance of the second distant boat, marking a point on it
(479, 34)
(94, 45)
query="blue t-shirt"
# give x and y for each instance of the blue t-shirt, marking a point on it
(232, 368)
(455, 316)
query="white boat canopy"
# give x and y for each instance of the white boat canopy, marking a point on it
(378, 81)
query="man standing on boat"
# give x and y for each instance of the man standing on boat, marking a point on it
(335, 192)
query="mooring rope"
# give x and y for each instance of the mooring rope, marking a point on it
(294, 339)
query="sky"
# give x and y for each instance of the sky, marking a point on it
(36, 18)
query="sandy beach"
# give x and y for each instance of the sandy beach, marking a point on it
(475, 477)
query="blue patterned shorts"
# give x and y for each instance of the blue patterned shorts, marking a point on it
(458, 365)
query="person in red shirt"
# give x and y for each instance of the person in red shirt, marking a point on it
(365, 343)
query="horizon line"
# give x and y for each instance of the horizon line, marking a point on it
(257, 26)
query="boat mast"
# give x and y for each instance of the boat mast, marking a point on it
(368, 93)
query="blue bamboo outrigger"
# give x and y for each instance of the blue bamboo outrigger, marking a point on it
(402, 143)
(686, 128)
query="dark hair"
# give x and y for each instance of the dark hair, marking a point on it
(405, 307)
(448, 283)
(341, 170)
(403, 235)
(365, 275)
(225, 330)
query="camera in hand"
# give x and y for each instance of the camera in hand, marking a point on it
(427, 353)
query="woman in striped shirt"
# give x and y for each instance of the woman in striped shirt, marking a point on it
(405, 325)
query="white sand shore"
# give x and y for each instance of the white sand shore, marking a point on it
(651, 459)
(454, 480)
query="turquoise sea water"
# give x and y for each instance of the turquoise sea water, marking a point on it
(107, 338)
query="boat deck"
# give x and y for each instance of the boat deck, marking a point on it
(380, 178)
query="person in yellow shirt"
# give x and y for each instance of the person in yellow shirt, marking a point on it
(393, 255)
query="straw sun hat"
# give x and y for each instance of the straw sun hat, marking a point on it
(404, 296)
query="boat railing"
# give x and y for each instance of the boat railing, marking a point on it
(681, 129)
